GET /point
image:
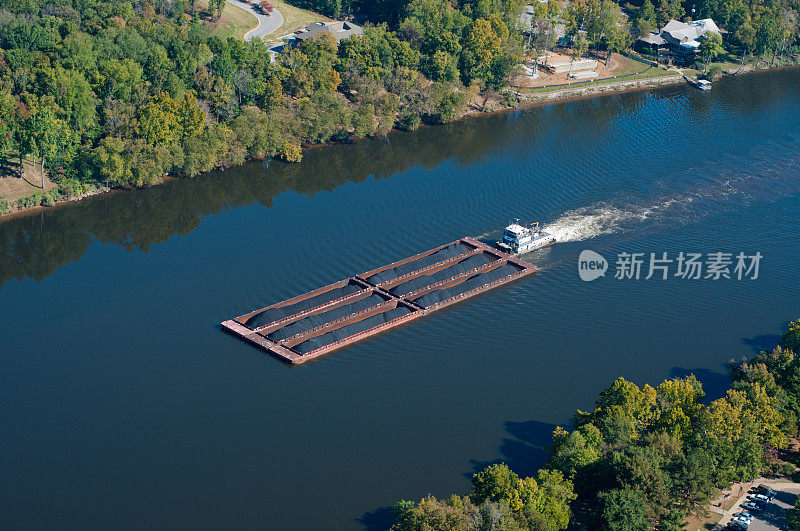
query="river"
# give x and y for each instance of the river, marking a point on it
(124, 405)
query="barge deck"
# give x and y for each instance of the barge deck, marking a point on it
(305, 327)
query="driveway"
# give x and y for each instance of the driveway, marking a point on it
(266, 23)
(772, 518)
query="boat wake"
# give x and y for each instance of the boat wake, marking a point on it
(768, 182)
(589, 222)
(595, 220)
(767, 174)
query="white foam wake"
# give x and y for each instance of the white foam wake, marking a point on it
(589, 222)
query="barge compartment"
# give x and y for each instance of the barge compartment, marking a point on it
(310, 325)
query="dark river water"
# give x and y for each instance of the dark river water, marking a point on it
(123, 405)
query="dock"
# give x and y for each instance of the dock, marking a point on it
(310, 325)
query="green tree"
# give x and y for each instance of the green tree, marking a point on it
(496, 482)
(454, 514)
(624, 510)
(46, 136)
(678, 405)
(482, 44)
(791, 338)
(110, 161)
(159, 120)
(8, 123)
(573, 451)
(623, 411)
(579, 46)
(710, 47)
(644, 20)
(546, 500)
(551, 501)
(617, 39)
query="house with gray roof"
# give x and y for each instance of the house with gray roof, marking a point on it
(340, 30)
(680, 38)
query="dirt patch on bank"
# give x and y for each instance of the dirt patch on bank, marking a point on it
(15, 184)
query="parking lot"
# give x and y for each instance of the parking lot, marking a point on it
(772, 517)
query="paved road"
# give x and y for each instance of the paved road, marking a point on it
(266, 23)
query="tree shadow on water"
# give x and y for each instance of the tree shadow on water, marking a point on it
(378, 520)
(714, 384)
(762, 342)
(525, 451)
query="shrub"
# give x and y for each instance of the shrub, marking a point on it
(70, 188)
(50, 197)
(409, 122)
(451, 106)
(47, 200)
(511, 98)
(712, 72)
(30, 201)
(3, 206)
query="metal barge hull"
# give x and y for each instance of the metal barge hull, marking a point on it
(305, 327)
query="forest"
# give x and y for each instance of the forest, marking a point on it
(644, 458)
(124, 93)
(102, 93)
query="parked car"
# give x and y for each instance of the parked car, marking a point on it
(755, 491)
(741, 519)
(758, 497)
(735, 524)
(767, 491)
(743, 514)
(751, 506)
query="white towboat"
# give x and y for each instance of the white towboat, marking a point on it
(519, 239)
(702, 84)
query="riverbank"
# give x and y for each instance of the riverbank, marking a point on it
(597, 87)
(57, 197)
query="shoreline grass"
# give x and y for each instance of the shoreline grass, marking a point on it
(648, 74)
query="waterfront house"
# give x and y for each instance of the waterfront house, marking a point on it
(653, 43)
(680, 39)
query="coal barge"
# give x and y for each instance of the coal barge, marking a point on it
(305, 327)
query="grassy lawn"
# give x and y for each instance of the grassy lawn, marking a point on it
(295, 18)
(235, 21)
(728, 61)
(627, 66)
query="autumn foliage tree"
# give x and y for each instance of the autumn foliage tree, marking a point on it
(644, 458)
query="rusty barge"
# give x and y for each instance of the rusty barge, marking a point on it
(305, 327)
